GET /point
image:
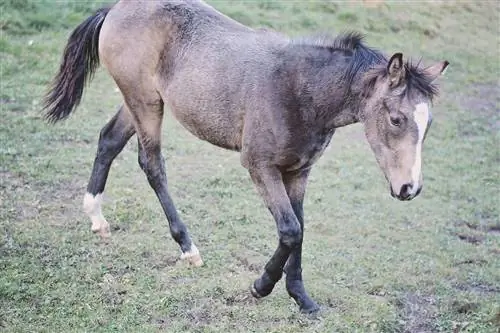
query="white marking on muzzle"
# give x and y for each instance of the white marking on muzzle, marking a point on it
(421, 117)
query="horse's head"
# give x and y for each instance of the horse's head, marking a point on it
(396, 118)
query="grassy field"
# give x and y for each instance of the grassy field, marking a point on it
(374, 264)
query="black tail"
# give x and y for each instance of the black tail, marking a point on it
(80, 61)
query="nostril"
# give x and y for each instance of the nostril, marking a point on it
(405, 192)
(418, 191)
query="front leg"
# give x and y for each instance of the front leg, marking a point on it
(269, 183)
(295, 184)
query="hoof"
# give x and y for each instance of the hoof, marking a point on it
(260, 289)
(311, 308)
(306, 304)
(92, 206)
(193, 260)
(192, 257)
(105, 235)
(102, 231)
(254, 292)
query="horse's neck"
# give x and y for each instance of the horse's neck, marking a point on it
(322, 88)
(343, 117)
(342, 109)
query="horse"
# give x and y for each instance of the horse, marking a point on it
(274, 99)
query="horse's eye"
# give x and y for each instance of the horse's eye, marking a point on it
(396, 121)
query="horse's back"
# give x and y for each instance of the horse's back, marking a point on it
(208, 68)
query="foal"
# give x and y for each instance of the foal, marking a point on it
(275, 100)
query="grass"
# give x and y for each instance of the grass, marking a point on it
(373, 264)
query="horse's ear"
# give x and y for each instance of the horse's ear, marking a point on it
(437, 70)
(395, 69)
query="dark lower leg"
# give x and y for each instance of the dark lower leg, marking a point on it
(273, 272)
(152, 162)
(295, 185)
(270, 185)
(295, 284)
(112, 139)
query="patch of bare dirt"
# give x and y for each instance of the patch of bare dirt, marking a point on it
(475, 233)
(112, 292)
(479, 262)
(337, 305)
(495, 229)
(161, 261)
(10, 185)
(478, 287)
(464, 307)
(240, 298)
(118, 271)
(24, 199)
(470, 238)
(419, 313)
(248, 262)
(198, 314)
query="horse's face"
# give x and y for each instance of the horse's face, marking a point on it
(397, 118)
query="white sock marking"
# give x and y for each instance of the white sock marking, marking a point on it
(92, 207)
(192, 256)
(421, 117)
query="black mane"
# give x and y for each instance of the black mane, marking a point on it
(368, 59)
(371, 61)
(363, 59)
(418, 79)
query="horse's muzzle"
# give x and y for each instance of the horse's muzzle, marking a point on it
(406, 193)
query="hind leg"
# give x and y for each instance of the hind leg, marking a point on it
(113, 137)
(148, 123)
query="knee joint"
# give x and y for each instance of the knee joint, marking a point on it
(291, 235)
(152, 166)
(107, 148)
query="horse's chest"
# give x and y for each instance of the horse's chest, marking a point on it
(311, 151)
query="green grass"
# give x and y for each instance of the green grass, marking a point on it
(373, 264)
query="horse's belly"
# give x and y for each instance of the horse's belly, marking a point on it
(211, 125)
(210, 97)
